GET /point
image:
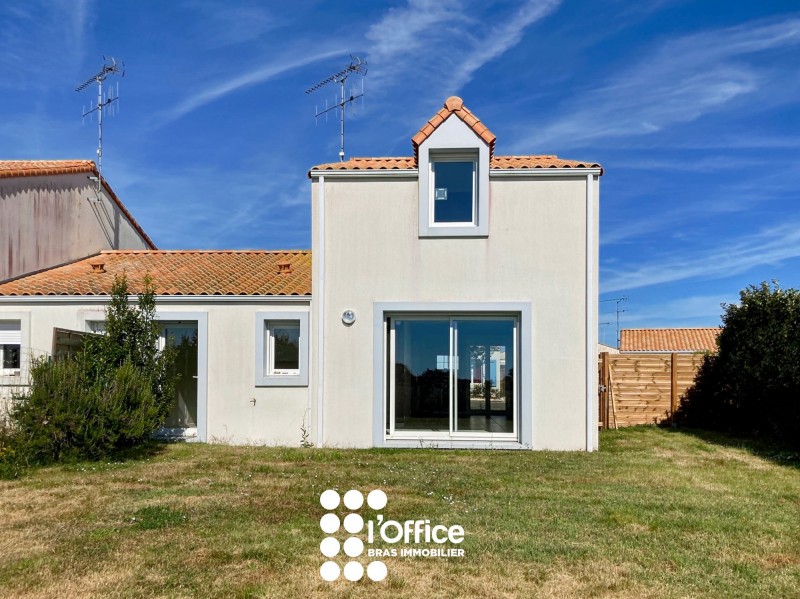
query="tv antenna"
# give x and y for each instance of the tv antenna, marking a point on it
(356, 66)
(104, 101)
(617, 300)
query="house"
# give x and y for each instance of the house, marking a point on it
(453, 303)
(680, 340)
(220, 308)
(430, 268)
(51, 213)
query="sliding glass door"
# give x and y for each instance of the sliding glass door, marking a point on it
(451, 376)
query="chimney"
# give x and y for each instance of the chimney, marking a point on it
(98, 267)
(284, 268)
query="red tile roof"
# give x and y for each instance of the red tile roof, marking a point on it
(496, 163)
(30, 168)
(41, 168)
(190, 272)
(453, 105)
(669, 340)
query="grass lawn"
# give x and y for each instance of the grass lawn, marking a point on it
(655, 513)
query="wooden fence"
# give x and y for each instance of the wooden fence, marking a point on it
(643, 388)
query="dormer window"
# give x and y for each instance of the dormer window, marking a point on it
(452, 153)
(454, 185)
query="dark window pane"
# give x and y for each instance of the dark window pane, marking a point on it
(286, 348)
(485, 375)
(11, 356)
(453, 192)
(422, 389)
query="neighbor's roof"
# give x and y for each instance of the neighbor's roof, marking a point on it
(42, 168)
(178, 272)
(672, 340)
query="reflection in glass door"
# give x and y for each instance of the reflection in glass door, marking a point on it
(485, 375)
(451, 376)
(421, 376)
(183, 336)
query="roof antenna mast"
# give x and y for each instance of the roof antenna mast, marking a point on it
(104, 101)
(356, 66)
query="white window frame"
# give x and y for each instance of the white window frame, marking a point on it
(265, 374)
(10, 338)
(453, 359)
(455, 310)
(453, 140)
(270, 327)
(470, 157)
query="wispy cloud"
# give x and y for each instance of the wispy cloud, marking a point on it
(768, 247)
(43, 43)
(679, 82)
(247, 78)
(439, 46)
(683, 310)
(225, 24)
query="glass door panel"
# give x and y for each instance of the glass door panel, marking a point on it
(421, 374)
(484, 393)
(184, 411)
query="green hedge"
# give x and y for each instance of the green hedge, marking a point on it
(112, 394)
(751, 386)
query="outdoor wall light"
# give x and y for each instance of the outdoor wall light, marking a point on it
(348, 317)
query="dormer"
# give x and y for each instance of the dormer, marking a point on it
(452, 153)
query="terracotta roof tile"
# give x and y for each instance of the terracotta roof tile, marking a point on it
(453, 105)
(42, 168)
(31, 168)
(178, 272)
(669, 340)
(496, 163)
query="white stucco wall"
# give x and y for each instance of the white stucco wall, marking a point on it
(535, 252)
(276, 415)
(47, 221)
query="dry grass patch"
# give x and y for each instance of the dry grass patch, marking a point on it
(654, 514)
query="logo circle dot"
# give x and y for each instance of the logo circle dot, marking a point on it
(329, 547)
(377, 571)
(353, 523)
(329, 523)
(330, 571)
(329, 499)
(353, 571)
(353, 499)
(353, 547)
(376, 499)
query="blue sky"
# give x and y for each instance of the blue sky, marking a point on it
(693, 108)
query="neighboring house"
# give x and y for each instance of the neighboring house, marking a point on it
(51, 214)
(687, 340)
(602, 348)
(454, 305)
(430, 268)
(227, 312)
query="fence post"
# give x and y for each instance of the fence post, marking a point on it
(604, 390)
(673, 391)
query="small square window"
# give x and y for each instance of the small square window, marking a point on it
(10, 347)
(283, 354)
(282, 349)
(454, 192)
(10, 356)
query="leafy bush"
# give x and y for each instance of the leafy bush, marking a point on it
(752, 385)
(114, 393)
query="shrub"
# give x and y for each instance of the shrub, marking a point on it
(112, 394)
(751, 385)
